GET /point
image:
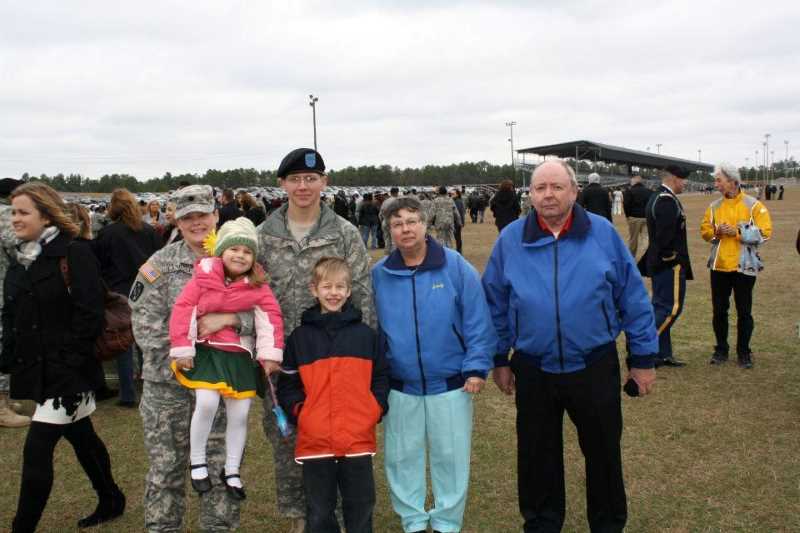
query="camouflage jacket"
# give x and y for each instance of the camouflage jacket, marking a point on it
(8, 242)
(288, 263)
(159, 282)
(443, 212)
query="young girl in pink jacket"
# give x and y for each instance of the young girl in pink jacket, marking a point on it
(221, 364)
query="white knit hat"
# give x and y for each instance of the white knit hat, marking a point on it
(234, 232)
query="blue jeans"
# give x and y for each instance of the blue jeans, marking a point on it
(366, 231)
(669, 291)
(127, 391)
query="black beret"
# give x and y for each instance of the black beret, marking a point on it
(301, 160)
(678, 172)
(7, 185)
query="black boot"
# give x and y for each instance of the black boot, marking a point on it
(108, 508)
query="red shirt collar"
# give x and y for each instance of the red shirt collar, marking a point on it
(564, 229)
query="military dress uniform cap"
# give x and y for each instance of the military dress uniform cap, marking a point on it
(677, 171)
(301, 160)
(7, 185)
(193, 199)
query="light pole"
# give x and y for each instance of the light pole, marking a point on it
(511, 140)
(658, 147)
(786, 161)
(766, 154)
(699, 153)
(772, 165)
(312, 101)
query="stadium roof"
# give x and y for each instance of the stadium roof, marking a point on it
(615, 154)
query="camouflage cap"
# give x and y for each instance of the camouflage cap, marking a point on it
(193, 199)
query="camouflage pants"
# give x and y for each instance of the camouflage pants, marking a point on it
(288, 474)
(166, 410)
(444, 234)
(4, 381)
(387, 237)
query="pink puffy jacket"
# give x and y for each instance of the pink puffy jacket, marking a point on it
(207, 293)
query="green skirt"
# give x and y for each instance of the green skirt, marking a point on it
(232, 374)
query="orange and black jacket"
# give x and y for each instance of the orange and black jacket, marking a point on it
(340, 389)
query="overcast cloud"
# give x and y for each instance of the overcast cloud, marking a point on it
(149, 87)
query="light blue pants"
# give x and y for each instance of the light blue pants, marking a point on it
(440, 426)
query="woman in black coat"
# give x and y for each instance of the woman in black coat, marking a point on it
(49, 331)
(122, 247)
(505, 205)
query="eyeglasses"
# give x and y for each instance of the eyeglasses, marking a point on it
(296, 179)
(411, 223)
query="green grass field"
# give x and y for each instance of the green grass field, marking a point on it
(715, 449)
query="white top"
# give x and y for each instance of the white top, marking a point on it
(56, 411)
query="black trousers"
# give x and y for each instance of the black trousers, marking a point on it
(37, 467)
(722, 284)
(457, 236)
(591, 398)
(355, 482)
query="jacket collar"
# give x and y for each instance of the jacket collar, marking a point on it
(434, 258)
(314, 316)
(57, 247)
(531, 232)
(277, 224)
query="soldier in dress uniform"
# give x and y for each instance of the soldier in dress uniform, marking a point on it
(166, 406)
(667, 258)
(291, 241)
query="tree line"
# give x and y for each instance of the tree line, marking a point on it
(465, 173)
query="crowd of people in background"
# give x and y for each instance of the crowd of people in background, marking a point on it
(216, 281)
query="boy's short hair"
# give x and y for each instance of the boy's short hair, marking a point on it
(328, 266)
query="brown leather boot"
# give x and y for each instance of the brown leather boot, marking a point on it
(298, 525)
(8, 417)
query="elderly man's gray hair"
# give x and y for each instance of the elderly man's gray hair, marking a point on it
(594, 177)
(409, 203)
(729, 171)
(568, 169)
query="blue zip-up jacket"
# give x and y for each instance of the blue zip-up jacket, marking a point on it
(435, 320)
(561, 303)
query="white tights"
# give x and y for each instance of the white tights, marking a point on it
(205, 409)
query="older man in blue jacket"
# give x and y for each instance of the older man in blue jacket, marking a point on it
(561, 286)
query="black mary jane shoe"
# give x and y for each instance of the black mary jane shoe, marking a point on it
(237, 493)
(203, 485)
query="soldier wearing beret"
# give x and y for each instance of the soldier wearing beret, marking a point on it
(166, 406)
(667, 258)
(291, 241)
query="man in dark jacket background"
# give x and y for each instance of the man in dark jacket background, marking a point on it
(634, 202)
(229, 210)
(667, 258)
(595, 198)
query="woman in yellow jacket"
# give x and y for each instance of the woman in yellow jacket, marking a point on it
(735, 225)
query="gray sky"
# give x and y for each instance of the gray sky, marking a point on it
(148, 87)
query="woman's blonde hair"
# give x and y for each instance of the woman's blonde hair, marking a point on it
(80, 215)
(123, 208)
(49, 204)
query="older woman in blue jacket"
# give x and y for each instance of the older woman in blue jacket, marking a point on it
(440, 340)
